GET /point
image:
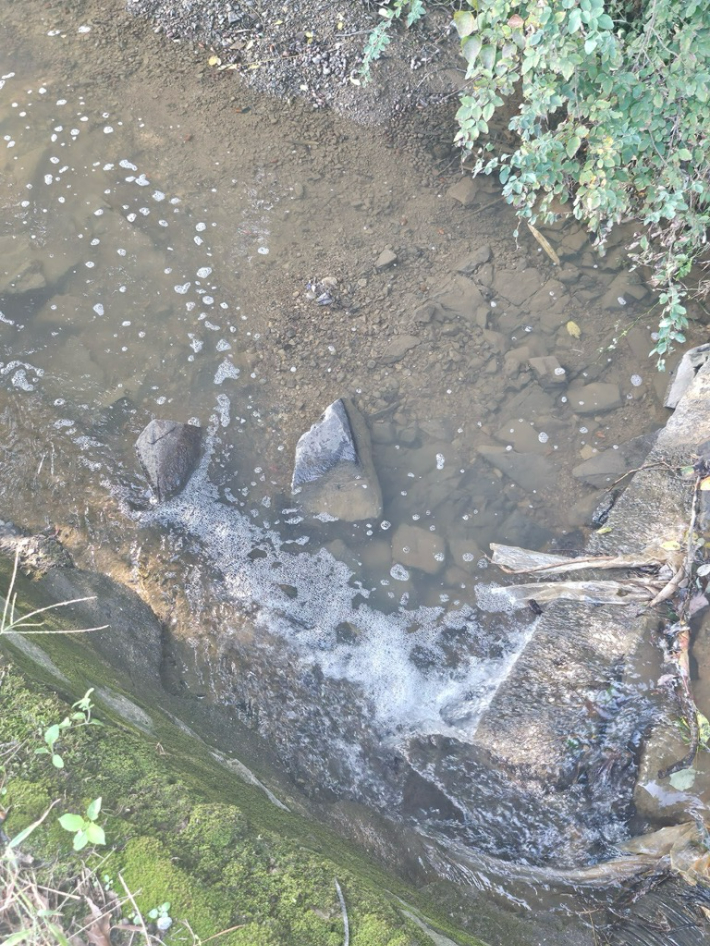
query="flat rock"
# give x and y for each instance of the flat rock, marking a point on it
(595, 398)
(333, 472)
(386, 259)
(418, 548)
(515, 285)
(548, 370)
(529, 471)
(464, 192)
(397, 347)
(471, 263)
(168, 452)
(20, 269)
(605, 468)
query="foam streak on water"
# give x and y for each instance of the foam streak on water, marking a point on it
(403, 697)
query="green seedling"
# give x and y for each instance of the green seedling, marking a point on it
(85, 830)
(80, 717)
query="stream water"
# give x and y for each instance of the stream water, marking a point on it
(157, 262)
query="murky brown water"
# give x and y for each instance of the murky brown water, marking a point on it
(157, 264)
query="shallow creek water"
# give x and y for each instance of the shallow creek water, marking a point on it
(151, 273)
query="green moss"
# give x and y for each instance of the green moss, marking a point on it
(149, 873)
(221, 864)
(26, 801)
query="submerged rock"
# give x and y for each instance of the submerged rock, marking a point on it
(168, 452)
(333, 473)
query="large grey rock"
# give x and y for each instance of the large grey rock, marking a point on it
(168, 452)
(333, 472)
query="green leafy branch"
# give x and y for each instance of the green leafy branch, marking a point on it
(612, 120)
(379, 39)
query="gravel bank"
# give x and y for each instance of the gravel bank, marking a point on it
(313, 49)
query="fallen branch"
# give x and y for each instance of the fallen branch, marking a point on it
(517, 561)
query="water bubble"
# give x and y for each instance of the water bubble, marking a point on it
(158, 195)
(108, 130)
(204, 272)
(385, 524)
(399, 572)
(182, 289)
(127, 164)
(543, 437)
(621, 300)
(99, 309)
(264, 250)
(440, 461)
(142, 181)
(636, 380)
(200, 227)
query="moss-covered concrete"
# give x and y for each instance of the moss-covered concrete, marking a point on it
(182, 828)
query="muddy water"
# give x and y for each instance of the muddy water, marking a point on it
(163, 250)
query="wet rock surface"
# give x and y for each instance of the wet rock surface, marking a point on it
(333, 472)
(168, 452)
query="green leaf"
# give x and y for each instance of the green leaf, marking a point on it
(572, 146)
(80, 841)
(574, 21)
(95, 834)
(92, 812)
(488, 56)
(605, 22)
(471, 48)
(684, 154)
(683, 780)
(57, 761)
(589, 46)
(465, 23)
(52, 734)
(72, 822)
(19, 937)
(25, 833)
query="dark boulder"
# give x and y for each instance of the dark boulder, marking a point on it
(168, 452)
(333, 473)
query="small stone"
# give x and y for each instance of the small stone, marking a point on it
(471, 263)
(464, 191)
(333, 471)
(168, 452)
(418, 548)
(548, 370)
(386, 259)
(397, 347)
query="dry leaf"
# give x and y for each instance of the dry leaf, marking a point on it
(705, 483)
(214, 61)
(574, 330)
(670, 545)
(545, 244)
